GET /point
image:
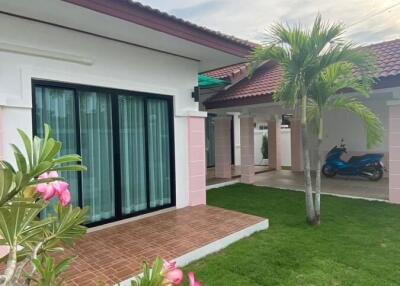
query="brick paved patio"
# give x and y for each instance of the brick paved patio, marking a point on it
(115, 254)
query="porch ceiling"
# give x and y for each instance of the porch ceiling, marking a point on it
(116, 253)
(261, 111)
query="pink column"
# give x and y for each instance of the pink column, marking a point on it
(274, 143)
(394, 153)
(247, 149)
(197, 161)
(1, 134)
(295, 146)
(223, 158)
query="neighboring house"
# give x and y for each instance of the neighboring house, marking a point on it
(114, 79)
(252, 100)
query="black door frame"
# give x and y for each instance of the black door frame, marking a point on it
(114, 93)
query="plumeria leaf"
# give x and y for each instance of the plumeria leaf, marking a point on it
(28, 145)
(70, 168)
(41, 168)
(6, 182)
(68, 159)
(20, 159)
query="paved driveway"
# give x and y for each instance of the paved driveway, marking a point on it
(349, 186)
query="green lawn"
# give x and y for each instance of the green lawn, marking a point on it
(358, 242)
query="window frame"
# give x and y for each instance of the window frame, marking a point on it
(114, 94)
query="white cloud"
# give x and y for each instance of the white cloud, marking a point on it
(248, 19)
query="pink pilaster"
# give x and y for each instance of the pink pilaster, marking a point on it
(274, 144)
(1, 134)
(223, 158)
(247, 149)
(295, 145)
(197, 161)
(394, 153)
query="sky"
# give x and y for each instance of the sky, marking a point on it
(367, 21)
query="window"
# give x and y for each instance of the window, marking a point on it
(125, 139)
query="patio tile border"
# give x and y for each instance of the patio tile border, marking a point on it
(213, 247)
(223, 184)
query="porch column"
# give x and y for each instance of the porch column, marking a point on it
(223, 158)
(394, 152)
(274, 143)
(197, 161)
(295, 145)
(247, 149)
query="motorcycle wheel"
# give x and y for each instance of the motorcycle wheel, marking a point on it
(328, 172)
(377, 174)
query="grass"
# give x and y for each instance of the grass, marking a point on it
(358, 242)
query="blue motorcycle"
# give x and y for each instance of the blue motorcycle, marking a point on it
(369, 166)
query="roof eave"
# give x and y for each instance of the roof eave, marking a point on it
(143, 16)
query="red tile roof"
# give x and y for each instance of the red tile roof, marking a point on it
(226, 72)
(388, 57)
(267, 78)
(265, 81)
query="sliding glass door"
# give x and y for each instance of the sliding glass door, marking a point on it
(125, 139)
(96, 136)
(158, 145)
(133, 153)
(57, 106)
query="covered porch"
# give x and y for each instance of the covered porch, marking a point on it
(248, 102)
(279, 175)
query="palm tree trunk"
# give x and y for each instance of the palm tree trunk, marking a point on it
(310, 211)
(318, 174)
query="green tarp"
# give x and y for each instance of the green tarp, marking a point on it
(209, 82)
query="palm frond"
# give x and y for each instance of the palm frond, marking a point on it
(370, 120)
(324, 33)
(264, 54)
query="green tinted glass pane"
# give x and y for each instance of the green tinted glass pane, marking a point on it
(159, 152)
(132, 151)
(97, 154)
(56, 107)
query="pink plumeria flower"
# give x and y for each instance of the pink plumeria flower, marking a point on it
(192, 280)
(65, 198)
(46, 191)
(168, 266)
(56, 188)
(173, 277)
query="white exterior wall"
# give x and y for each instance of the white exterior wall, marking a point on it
(285, 141)
(103, 63)
(236, 134)
(286, 148)
(341, 124)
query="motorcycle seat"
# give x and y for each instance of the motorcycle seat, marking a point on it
(370, 156)
(356, 158)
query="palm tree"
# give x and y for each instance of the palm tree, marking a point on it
(326, 94)
(303, 54)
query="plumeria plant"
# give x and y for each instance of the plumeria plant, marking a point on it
(163, 273)
(25, 191)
